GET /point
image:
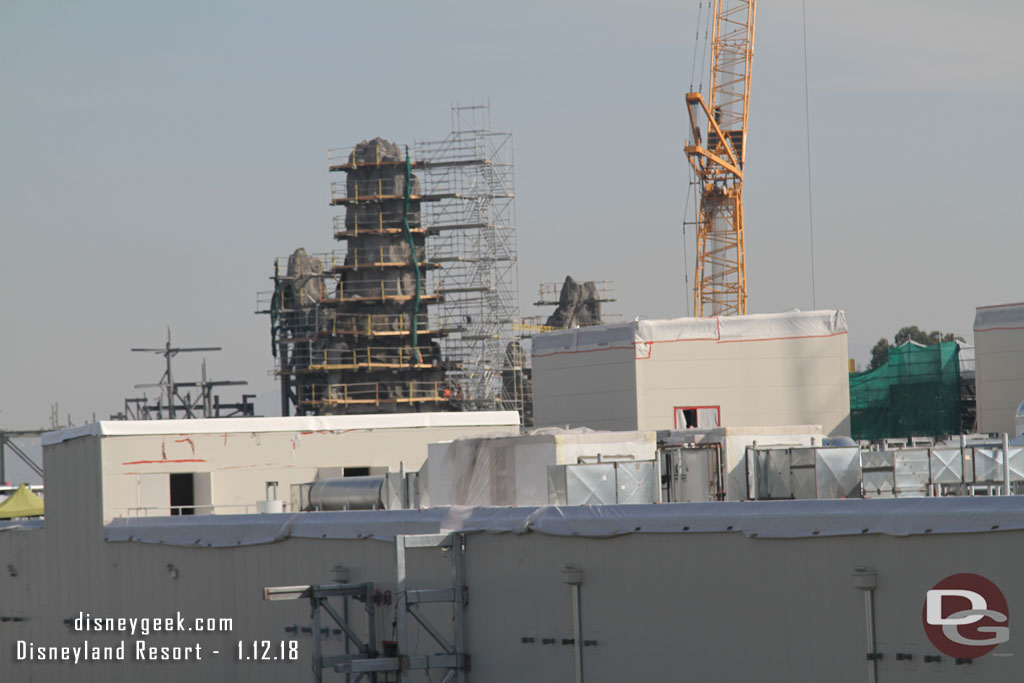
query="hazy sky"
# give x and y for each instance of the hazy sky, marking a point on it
(156, 157)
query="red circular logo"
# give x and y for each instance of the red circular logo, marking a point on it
(966, 616)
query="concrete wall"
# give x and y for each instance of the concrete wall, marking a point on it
(763, 382)
(660, 606)
(999, 368)
(595, 388)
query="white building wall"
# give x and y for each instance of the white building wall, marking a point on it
(999, 366)
(763, 383)
(763, 370)
(232, 460)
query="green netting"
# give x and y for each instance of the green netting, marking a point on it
(915, 393)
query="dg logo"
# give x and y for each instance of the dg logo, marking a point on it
(966, 616)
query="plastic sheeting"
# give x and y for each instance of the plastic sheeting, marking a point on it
(1008, 316)
(914, 393)
(594, 338)
(769, 519)
(225, 531)
(512, 470)
(22, 525)
(640, 334)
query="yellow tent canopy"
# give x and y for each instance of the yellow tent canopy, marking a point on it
(21, 503)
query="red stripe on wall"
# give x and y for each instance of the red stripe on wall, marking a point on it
(154, 462)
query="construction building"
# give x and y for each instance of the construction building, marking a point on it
(156, 468)
(753, 370)
(999, 367)
(489, 594)
(416, 311)
(916, 392)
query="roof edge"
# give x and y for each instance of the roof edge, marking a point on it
(252, 425)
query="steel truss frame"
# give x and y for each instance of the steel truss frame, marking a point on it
(717, 162)
(361, 660)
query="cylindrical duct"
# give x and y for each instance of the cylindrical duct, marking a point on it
(347, 493)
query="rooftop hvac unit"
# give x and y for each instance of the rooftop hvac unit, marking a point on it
(804, 473)
(878, 474)
(912, 473)
(604, 483)
(693, 473)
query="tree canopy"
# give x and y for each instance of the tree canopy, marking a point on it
(880, 351)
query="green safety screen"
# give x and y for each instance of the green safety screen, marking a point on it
(915, 393)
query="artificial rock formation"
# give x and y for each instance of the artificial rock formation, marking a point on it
(579, 305)
(353, 334)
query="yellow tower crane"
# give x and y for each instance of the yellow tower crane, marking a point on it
(720, 287)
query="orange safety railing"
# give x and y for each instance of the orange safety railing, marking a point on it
(376, 393)
(380, 357)
(376, 290)
(370, 257)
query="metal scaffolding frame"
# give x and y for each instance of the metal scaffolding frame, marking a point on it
(473, 236)
(172, 404)
(460, 219)
(6, 442)
(360, 660)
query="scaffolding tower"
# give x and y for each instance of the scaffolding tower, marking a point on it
(473, 237)
(416, 310)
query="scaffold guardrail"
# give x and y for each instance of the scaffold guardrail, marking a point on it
(549, 292)
(375, 393)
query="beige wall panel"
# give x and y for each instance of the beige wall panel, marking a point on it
(249, 460)
(778, 382)
(999, 367)
(763, 382)
(595, 389)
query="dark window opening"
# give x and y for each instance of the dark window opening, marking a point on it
(357, 471)
(697, 417)
(183, 495)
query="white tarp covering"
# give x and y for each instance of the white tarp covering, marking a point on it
(1008, 316)
(22, 524)
(768, 519)
(594, 338)
(640, 334)
(512, 470)
(792, 325)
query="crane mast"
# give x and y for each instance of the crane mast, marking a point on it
(716, 151)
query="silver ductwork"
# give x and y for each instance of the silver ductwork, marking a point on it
(347, 493)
